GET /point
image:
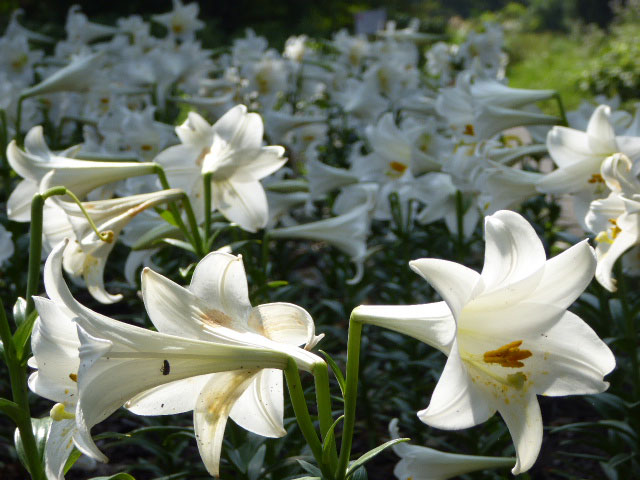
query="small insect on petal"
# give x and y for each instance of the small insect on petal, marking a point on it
(166, 368)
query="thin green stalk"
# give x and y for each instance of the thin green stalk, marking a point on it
(104, 236)
(350, 395)
(206, 179)
(320, 373)
(460, 220)
(301, 411)
(19, 118)
(563, 115)
(35, 243)
(18, 379)
(631, 331)
(194, 236)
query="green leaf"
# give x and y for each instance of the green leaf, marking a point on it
(168, 217)
(277, 283)
(179, 243)
(73, 458)
(117, 476)
(153, 236)
(359, 474)
(310, 469)
(19, 310)
(41, 427)
(23, 334)
(336, 371)
(254, 468)
(187, 271)
(10, 409)
(327, 444)
(372, 453)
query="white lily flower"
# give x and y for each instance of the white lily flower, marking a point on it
(54, 343)
(86, 255)
(506, 331)
(616, 219)
(79, 176)
(579, 156)
(182, 22)
(423, 463)
(78, 76)
(347, 232)
(492, 92)
(231, 151)
(213, 353)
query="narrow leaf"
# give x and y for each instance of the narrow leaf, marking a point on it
(372, 453)
(336, 371)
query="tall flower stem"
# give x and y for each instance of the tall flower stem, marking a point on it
(206, 179)
(22, 414)
(301, 411)
(563, 115)
(350, 394)
(631, 331)
(194, 236)
(320, 373)
(35, 244)
(19, 119)
(460, 224)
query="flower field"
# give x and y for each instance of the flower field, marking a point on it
(360, 256)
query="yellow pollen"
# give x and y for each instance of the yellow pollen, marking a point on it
(615, 230)
(59, 413)
(398, 166)
(73, 377)
(596, 178)
(146, 148)
(469, 130)
(508, 355)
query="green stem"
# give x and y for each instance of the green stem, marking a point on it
(104, 236)
(301, 411)
(206, 179)
(35, 243)
(631, 331)
(460, 220)
(350, 395)
(194, 236)
(320, 373)
(563, 115)
(18, 379)
(19, 118)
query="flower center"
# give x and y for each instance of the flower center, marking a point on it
(596, 178)
(397, 168)
(508, 355)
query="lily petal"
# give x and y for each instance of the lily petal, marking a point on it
(260, 409)
(212, 410)
(284, 323)
(456, 402)
(430, 323)
(524, 421)
(244, 203)
(219, 280)
(454, 282)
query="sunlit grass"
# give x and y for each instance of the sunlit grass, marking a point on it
(549, 60)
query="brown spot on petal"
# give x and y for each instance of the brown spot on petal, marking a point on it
(73, 377)
(216, 318)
